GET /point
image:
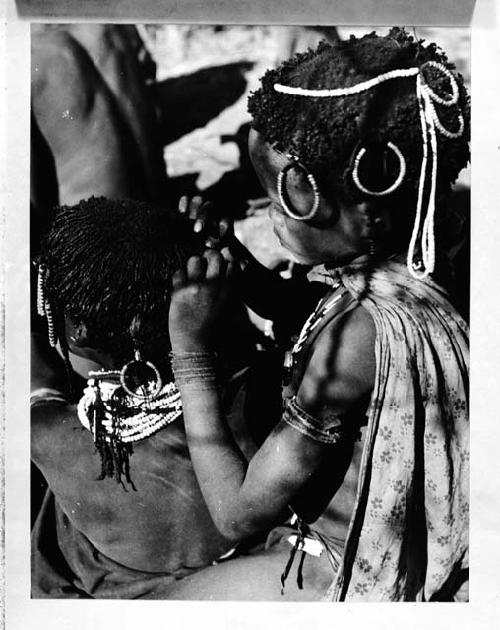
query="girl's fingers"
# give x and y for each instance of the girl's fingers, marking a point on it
(202, 217)
(227, 255)
(215, 264)
(199, 226)
(196, 268)
(179, 279)
(194, 207)
(183, 204)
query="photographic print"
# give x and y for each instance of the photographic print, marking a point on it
(250, 295)
(238, 246)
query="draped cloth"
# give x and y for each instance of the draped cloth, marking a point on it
(408, 536)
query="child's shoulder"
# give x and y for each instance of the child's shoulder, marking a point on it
(341, 369)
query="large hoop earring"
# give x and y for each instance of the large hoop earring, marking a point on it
(283, 196)
(390, 189)
(157, 380)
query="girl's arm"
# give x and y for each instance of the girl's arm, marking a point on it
(246, 497)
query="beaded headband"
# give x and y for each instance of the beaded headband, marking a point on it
(430, 123)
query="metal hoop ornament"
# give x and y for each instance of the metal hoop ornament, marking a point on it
(281, 186)
(158, 383)
(392, 187)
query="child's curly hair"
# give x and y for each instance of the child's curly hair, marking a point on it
(326, 133)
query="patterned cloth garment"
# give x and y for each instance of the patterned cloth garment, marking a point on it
(408, 537)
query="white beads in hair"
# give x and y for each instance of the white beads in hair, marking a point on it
(349, 91)
(50, 325)
(40, 293)
(430, 122)
(43, 306)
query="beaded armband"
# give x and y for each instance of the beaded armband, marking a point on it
(327, 432)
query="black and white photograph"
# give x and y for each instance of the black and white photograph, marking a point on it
(249, 352)
(250, 269)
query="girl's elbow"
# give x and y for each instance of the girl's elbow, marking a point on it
(231, 529)
(236, 528)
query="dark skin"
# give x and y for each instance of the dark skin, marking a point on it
(246, 497)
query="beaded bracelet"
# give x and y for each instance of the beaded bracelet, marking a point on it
(194, 370)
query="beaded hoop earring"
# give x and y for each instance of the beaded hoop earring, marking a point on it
(123, 375)
(281, 186)
(392, 187)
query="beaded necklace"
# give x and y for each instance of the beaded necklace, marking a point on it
(324, 306)
(137, 420)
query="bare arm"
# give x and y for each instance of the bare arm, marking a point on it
(242, 497)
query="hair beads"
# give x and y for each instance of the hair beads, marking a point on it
(430, 122)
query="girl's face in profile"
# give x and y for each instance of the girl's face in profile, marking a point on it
(297, 237)
(323, 241)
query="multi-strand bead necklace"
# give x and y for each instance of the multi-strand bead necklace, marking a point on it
(140, 419)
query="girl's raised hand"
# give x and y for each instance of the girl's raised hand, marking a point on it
(215, 230)
(200, 292)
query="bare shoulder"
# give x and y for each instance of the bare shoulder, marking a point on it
(341, 372)
(47, 420)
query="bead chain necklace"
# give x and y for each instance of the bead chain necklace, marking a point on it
(143, 419)
(324, 306)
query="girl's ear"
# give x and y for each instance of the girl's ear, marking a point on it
(301, 194)
(76, 334)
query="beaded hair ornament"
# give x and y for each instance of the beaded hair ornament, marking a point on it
(430, 126)
(118, 407)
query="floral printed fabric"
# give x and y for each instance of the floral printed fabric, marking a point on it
(408, 536)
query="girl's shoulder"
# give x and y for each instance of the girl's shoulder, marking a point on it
(340, 373)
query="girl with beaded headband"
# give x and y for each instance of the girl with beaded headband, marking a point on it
(356, 144)
(105, 273)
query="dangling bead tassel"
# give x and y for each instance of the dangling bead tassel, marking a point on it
(40, 293)
(50, 325)
(427, 238)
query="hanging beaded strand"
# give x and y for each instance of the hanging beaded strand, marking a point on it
(43, 305)
(430, 122)
(40, 293)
